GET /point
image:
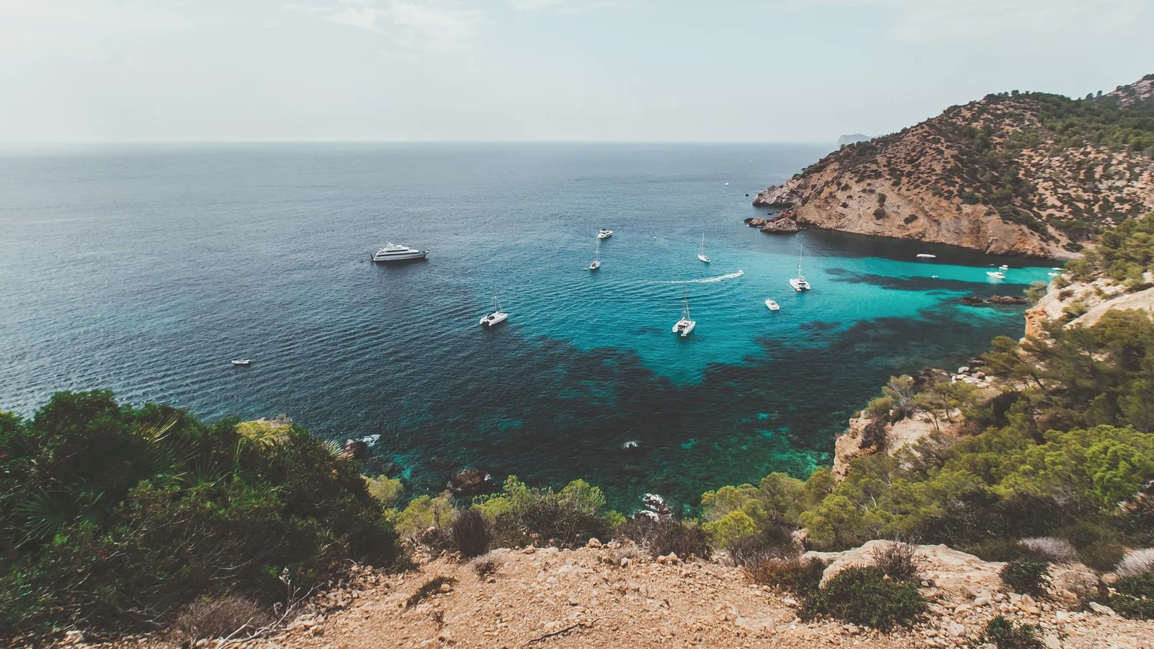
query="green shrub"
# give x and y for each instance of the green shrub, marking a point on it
(1134, 596)
(522, 515)
(384, 489)
(1005, 634)
(865, 596)
(428, 520)
(116, 518)
(1027, 577)
(897, 561)
(729, 528)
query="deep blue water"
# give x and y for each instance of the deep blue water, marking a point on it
(144, 270)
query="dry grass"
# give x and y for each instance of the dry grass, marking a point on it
(1136, 562)
(1051, 549)
(486, 564)
(220, 618)
(897, 561)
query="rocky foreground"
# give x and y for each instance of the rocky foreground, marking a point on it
(612, 597)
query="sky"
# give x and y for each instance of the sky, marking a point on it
(540, 70)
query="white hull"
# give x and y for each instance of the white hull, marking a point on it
(604, 234)
(244, 363)
(495, 318)
(771, 305)
(407, 256)
(684, 327)
(996, 274)
(595, 265)
(926, 255)
(799, 284)
(703, 258)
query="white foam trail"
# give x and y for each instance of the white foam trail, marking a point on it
(708, 280)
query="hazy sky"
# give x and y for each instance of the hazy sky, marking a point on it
(540, 70)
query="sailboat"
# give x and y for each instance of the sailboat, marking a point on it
(798, 283)
(684, 326)
(497, 316)
(701, 250)
(596, 262)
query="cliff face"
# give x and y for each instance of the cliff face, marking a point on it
(1026, 174)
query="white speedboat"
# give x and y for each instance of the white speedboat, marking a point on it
(996, 274)
(604, 233)
(243, 362)
(926, 255)
(1004, 267)
(772, 306)
(684, 326)
(397, 252)
(596, 261)
(497, 316)
(799, 283)
(701, 250)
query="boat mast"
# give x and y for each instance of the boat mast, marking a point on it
(799, 254)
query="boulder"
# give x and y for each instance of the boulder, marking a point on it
(973, 300)
(355, 449)
(755, 222)
(786, 221)
(1008, 299)
(470, 482)
(776, 196)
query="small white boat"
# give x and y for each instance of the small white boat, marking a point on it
(1004, 267)
(1055, 268)
(799, 283)
(604, 233)
(244, 362)
(996, 274)
(1053, 274)
(497, 316)
(397, 252)
(701, 250)
(597, 260)
(684, 326)
(926, 255)
(772, 306)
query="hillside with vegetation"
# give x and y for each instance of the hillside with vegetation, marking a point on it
(1020, 173)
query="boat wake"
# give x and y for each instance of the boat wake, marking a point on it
(709, 280)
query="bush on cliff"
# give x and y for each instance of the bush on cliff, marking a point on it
(114, 518)
(522, 515)
(865, 596)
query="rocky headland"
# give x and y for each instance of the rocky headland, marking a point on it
(1026, 174)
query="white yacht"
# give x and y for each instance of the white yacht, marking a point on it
(701, 250)
(926, 255)
(996, 274)
(497, 316)
(397, 252)
(799, 283)
(597, 261)
(1004, 267)
(604, 233)
(772, 306)
(684, 326)
(244, 362)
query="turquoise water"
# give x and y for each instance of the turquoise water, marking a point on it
(144, 270)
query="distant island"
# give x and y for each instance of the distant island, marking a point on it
(853, 138)
(1030, 174)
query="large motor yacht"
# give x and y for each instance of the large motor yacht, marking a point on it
(397, 252)
(604, 233)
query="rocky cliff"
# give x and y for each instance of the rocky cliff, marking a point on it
(1015, 173)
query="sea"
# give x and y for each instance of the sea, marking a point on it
(146, 269)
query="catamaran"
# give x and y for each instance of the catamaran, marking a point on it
(798, 283)
(684, 326)
(701, 250)
(497, 316)
(596, 262)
